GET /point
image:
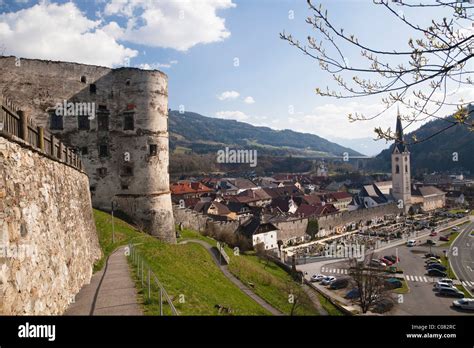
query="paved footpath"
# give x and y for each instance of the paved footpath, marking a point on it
(110, 292)
(234, 279)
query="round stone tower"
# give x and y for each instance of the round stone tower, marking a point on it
(124, 145)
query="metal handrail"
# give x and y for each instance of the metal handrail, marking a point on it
(14, 122)
(147, 277)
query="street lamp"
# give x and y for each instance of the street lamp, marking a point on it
(447, 260)
(114, 206)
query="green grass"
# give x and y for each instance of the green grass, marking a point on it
(404, 289)
(188, 273)
(269, 281)
(457, 211)
(463, 289)
(329, 307)
(452, 237)
(449, 271)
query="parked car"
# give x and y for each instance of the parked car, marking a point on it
(465, 303)
(455, 228)
(437, 266)
(393, 269)
(436, 273)
(411, 243)
(383, 305)
(431, 255)
(387, 262)
(317, 277)
(430, 242)
(328, 280)
(377, 263)
(339, 284)
(392, 258)
(453, 292)
(432, 258)
(352, 294)
(432, 262)
(446, 281)
(433, 233)
(438, 286)
(444, 239)
(393, 283)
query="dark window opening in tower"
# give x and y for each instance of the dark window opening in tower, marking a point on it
(397, 169)
(124, 186)
(83, 122)
(102, 171)
(406, 168)
(127, 83)
(103, 121)
(128, 121)
(153, 150)
(103, 150)
(56, 122)
(84, 150)
(127, 171)
(83, 79)
(92, 88)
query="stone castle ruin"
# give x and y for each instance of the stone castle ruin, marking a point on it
(116, 119)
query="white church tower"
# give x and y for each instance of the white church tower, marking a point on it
(401, 179)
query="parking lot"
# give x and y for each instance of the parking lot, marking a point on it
(420, 298)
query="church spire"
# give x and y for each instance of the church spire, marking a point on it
(399, 142)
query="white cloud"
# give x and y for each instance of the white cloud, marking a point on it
(228, 95)
(153, 66)
(157, 66)
(330, 120)
(249, 100)
(61, 32)
(172, 24)
(232, 115)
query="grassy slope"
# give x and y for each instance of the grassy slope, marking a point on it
(186, 270)
(270, 282)
(329, 307)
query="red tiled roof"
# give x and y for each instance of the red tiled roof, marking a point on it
(180, 188)
(341, 195)
(252, 196)
(312, 199)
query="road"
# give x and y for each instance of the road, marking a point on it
(461, 257)
(421, 299)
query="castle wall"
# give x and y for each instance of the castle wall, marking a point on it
(138, 184)
(202, 223)
(48, 240)
(335, 223)
(291, 229)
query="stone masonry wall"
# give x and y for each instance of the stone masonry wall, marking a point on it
(47, 232)
(126, 163)
(201, 223)
(336, 222)
(291, 229)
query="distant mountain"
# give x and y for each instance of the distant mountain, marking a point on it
(201, 134)
(436, 154)
(367, 146)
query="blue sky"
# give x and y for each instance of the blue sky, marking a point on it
(197, 43)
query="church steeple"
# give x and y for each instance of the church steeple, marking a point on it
(401, 173)
(399, 142)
